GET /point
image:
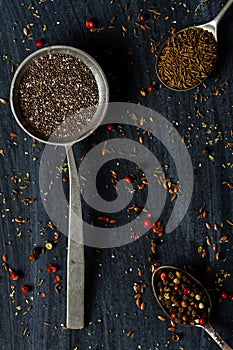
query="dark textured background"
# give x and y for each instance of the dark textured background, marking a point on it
(129, 65)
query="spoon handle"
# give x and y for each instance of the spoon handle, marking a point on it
(216, 337)
(218, 18)
(75, 258)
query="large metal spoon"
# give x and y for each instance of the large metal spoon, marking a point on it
(75, 256)
(156, 277)
(211, 27)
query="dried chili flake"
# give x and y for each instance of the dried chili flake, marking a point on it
(57, 279)
(14, 276)
(51, 268)
(25, 289)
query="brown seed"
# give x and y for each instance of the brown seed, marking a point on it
(143, 306)
(130, 334)
(140, 272)
(137, 296)
(57, 235)
(3, 101)
(169, 184)
(176, 338)
(141, 140)
(223, 239)
(138, 302)
(173, 323)
(19, 220)
(136, 287)
(114, 173)
(215, 247)
(143, 92)
(4, 258)
(51, 225)
(26, 331)
(229, 184)
(25, 31)
(229, 222)
(217, 256)
(13, 135)
(208, 241)
(203, 255)
(153, 248)
(161, 318)
(172, 329)
(204, 214)
(137, 209)
(124, 28)
(208, 226)
(216, 227)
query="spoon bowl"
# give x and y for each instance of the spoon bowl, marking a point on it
(156, 278)
(210, 27)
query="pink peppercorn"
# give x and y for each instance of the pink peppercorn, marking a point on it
(39, 43)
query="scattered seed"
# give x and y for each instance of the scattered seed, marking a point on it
(143, 306)
(3, 101)
(223, 239)
(124, 28)
(4, 258)
(161, 318)
(172, 329)
(25, 331)
(137, 296)
(25, 31)
(49, 246)
(141, 140)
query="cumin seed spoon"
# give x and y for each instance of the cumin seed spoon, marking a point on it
(171, 61)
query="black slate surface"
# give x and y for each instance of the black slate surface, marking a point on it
(110, 273)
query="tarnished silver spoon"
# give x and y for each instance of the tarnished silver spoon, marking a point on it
(156, 278)
(211, 27)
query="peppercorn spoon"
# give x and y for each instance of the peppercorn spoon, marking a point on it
(161, 274)
(211, 27)
(75, 255)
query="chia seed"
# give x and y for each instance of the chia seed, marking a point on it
(58, 88)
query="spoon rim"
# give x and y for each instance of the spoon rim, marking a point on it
(193, 278)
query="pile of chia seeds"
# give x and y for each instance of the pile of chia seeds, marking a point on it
(57, 88)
